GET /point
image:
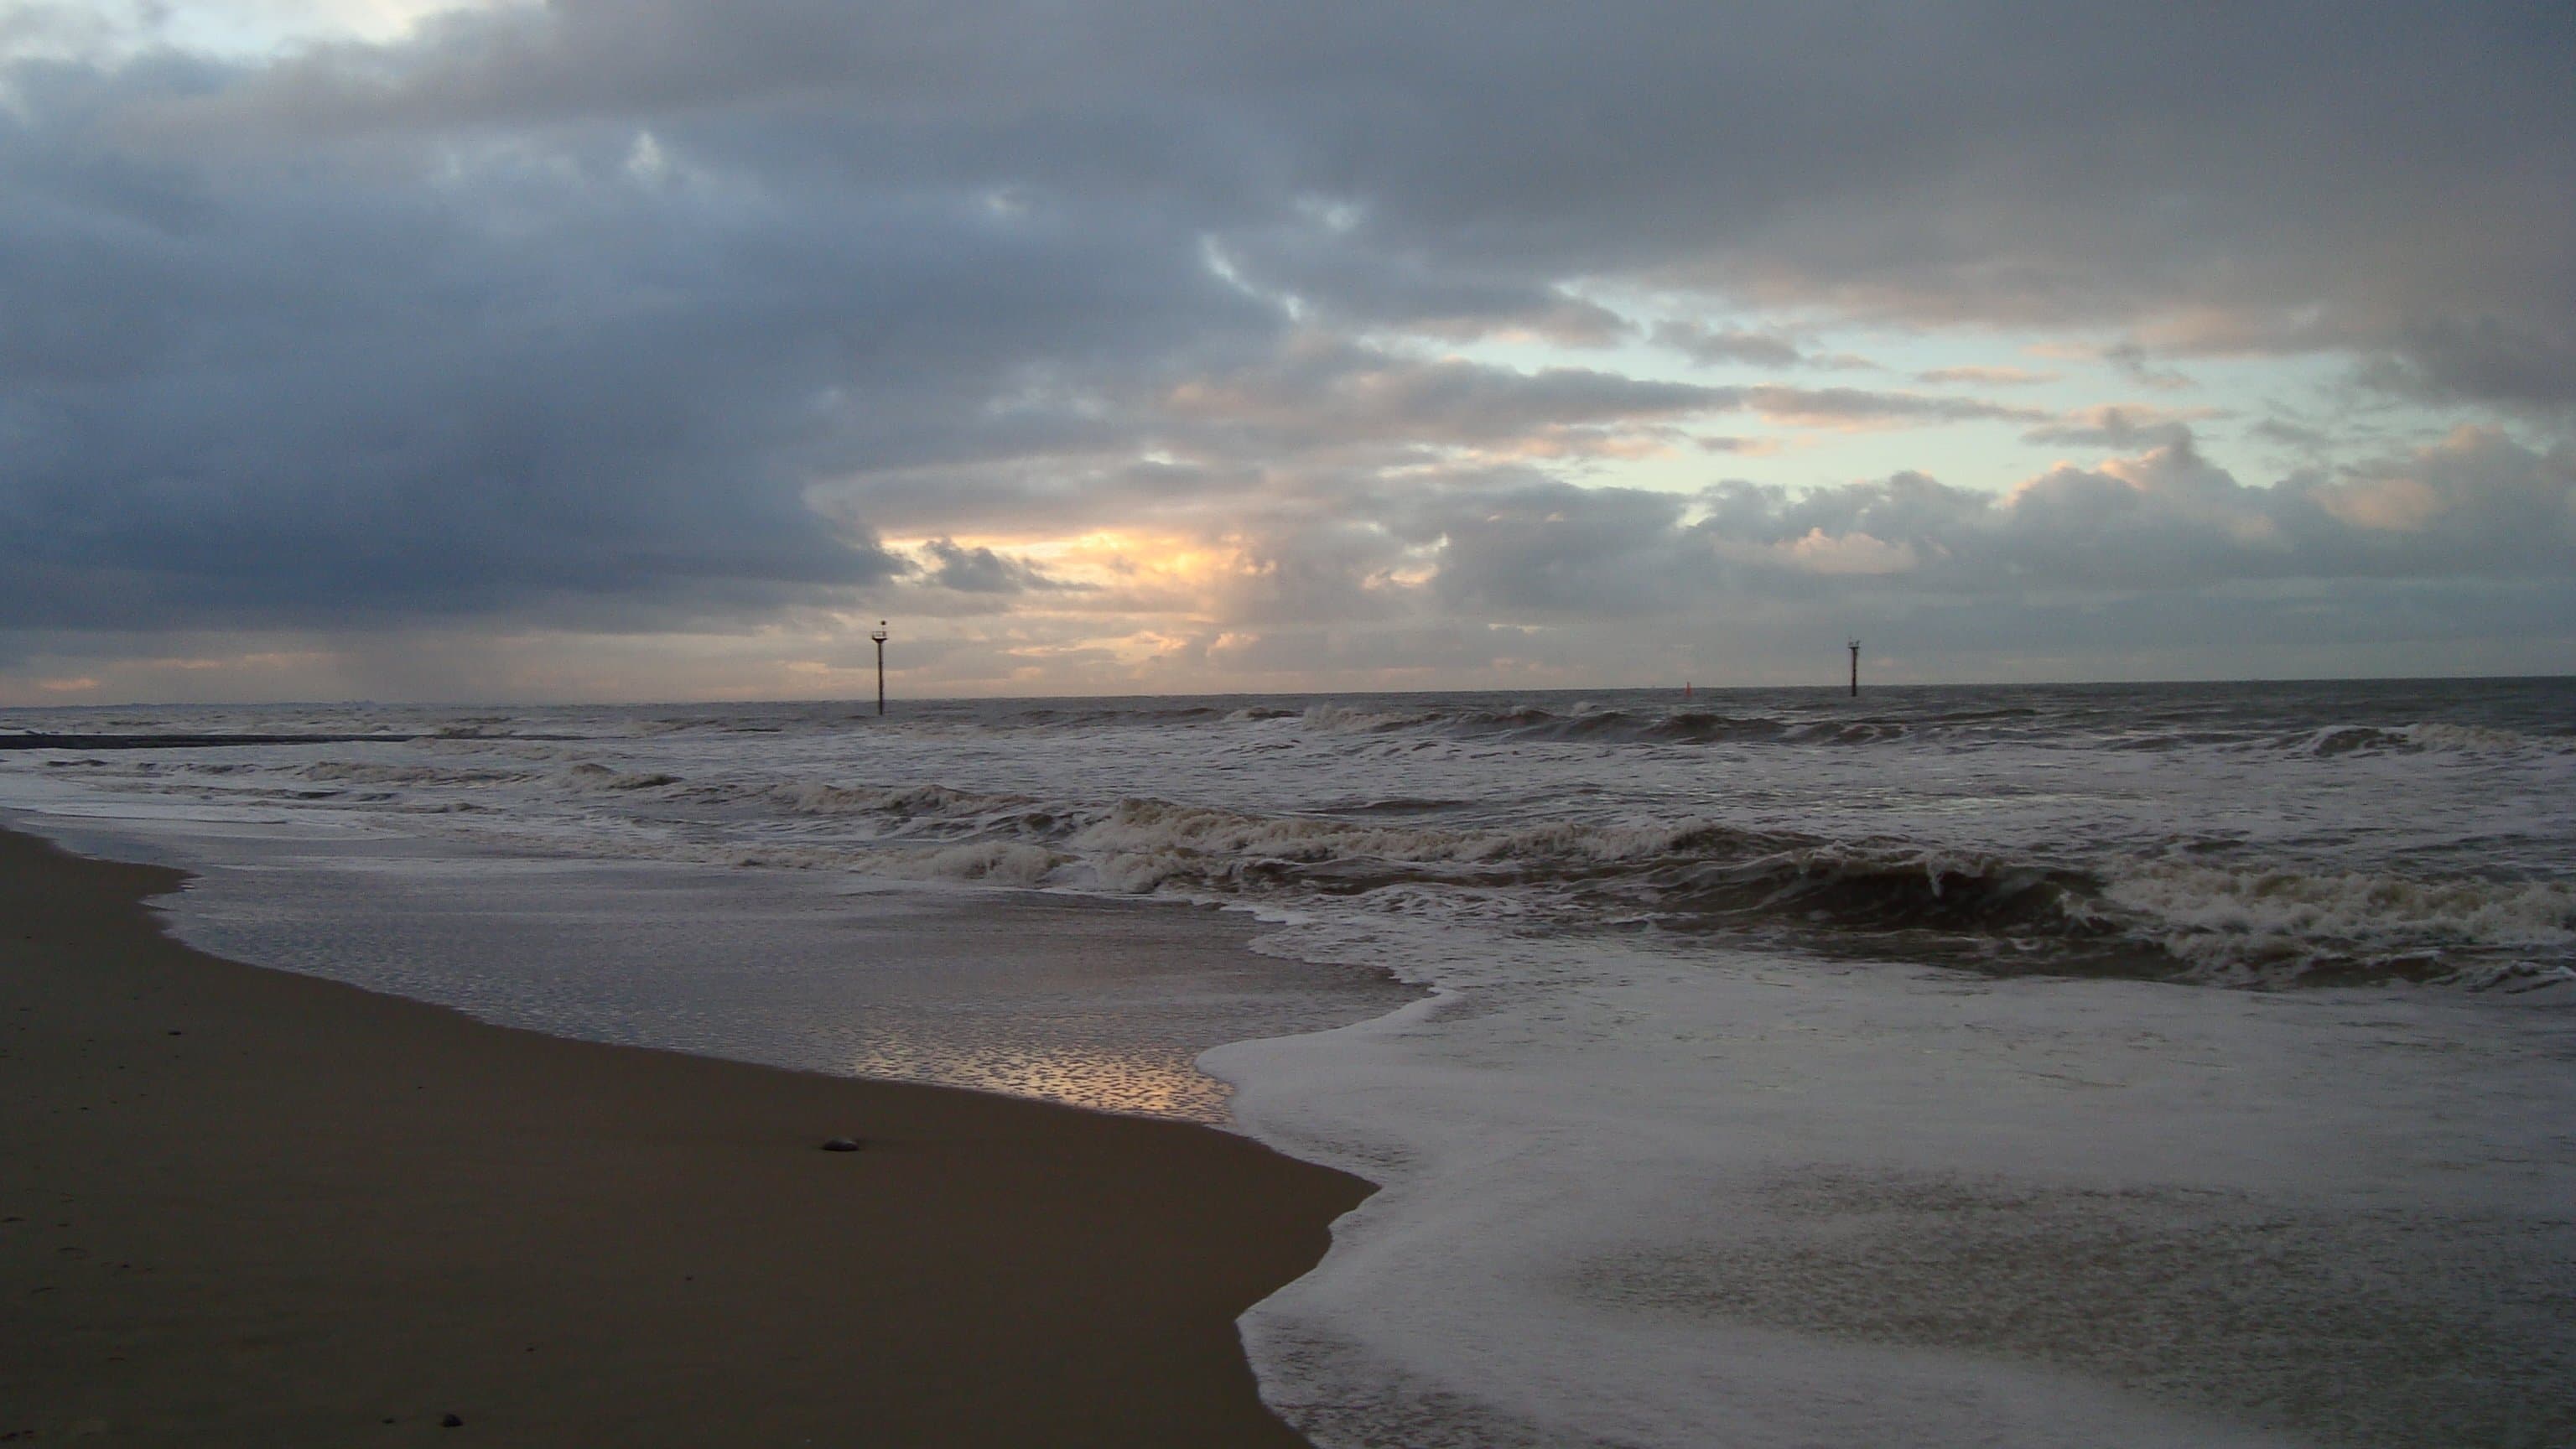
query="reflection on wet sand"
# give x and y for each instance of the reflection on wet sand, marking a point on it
(1099, 1076)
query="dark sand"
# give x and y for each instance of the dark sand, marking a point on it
(247, 1207)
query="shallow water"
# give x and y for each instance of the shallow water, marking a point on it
(1068, 999)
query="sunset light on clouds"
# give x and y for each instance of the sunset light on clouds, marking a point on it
(588, 350)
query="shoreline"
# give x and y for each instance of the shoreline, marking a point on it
(253, 1206)
(1092, 1001)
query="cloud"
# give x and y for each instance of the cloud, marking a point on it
(2127, 426)
(1320, 394)
(1846, 407)
(979, 570)
(2202, 331)
(1710, 345)
(2289, 434)
(1818, 552)
(1551, 548)
(2483, 359)
(2476, 503)
(1987, 376)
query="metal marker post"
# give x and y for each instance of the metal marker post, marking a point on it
(1855, 649)
(879, 634)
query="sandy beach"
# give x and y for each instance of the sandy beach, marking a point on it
(249, 1207)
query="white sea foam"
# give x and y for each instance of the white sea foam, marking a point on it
(2241, 924)
(1636, 1198)
(2441, 735)
(998, 862)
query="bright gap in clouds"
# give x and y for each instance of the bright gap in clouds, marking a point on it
(237, 30)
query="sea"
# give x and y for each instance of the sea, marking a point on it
(2033, 1065)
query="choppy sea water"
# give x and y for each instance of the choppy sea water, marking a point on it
(2159, 1064)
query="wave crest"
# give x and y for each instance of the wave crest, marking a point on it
(2420, 738)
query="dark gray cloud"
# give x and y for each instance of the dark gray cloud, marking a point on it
(1551, 548)
(1323, 394)
(2289, 434)
(1939, 162)
(2484, 359)
(2127, 427)
(1719, 345)
(980, 570)
(2228, 334)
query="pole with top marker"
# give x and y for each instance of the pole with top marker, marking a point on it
(879, 634)
(1855, 649)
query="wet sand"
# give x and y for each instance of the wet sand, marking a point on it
(243, 1206)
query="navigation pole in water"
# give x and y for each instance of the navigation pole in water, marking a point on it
(1855, 649)
(879, 634)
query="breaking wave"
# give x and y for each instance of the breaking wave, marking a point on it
(2256, 925)
(2167, 918)
(591, 776)
(2355, 739)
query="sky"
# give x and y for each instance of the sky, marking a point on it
(658, 349)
